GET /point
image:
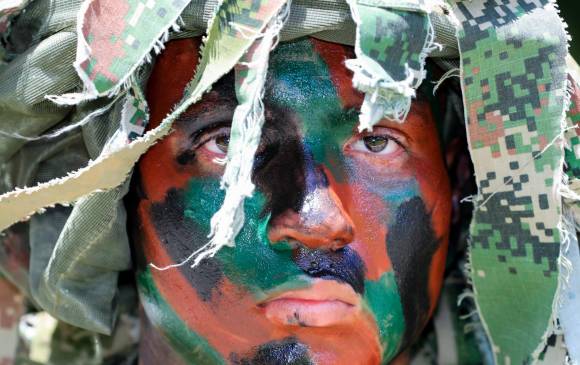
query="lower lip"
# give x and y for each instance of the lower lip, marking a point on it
(309, 313)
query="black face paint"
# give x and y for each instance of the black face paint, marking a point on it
(284, 352)
(279, 164)
(180, 238)
(285, 171)
(343, 265)
(412, 226)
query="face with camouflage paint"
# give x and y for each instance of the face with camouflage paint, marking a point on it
(341, 256)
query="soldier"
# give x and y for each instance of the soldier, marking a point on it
(296, 186)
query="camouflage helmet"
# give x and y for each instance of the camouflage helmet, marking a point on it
(73, 118)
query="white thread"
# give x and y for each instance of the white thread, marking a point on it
(428, 46)
(454, 72)
(469, 315)
(468, 199)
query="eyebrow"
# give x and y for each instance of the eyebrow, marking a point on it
(192, 123)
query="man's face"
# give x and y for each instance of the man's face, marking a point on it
(341, 255)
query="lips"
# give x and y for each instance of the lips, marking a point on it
(334, 297)
(323, 304)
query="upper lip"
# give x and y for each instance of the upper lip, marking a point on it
(343, 265)
(320, 290)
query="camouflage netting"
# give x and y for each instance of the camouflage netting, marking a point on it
(72, 134)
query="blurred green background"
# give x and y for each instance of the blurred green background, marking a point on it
(570, 10)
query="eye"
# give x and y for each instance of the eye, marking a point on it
(216, 141)
(218, 144)
(375, 144)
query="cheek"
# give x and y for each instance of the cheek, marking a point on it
(371, 199)
(435, 189)
(252, 264)
(371, 206)
(381, 201)
(369, 214)
(176, 304)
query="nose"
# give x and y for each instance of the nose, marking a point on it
(320, 223)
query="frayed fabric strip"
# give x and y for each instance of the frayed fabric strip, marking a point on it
(246, 131)
(568, 299)
(110, 169)
(135, 115)
(384, 97)
(388, 80)
(517, 158)
(248, 118)
(108, 56)
(247, 125)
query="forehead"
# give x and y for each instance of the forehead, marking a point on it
(308, 77)
(302, 74)
(312, 71)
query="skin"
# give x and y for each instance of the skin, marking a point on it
(335, 213)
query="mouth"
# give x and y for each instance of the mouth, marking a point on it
(323, 304)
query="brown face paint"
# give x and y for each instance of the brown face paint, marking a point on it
(173, 70)
(327, 230)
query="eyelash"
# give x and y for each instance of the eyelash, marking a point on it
(204, 135)
(391, 138)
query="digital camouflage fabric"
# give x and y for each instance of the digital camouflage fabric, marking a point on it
(514, 83)
(569, 298)
(392, 42)
(117, 36)
(515, 89)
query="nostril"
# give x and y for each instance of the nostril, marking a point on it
(337, 244)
